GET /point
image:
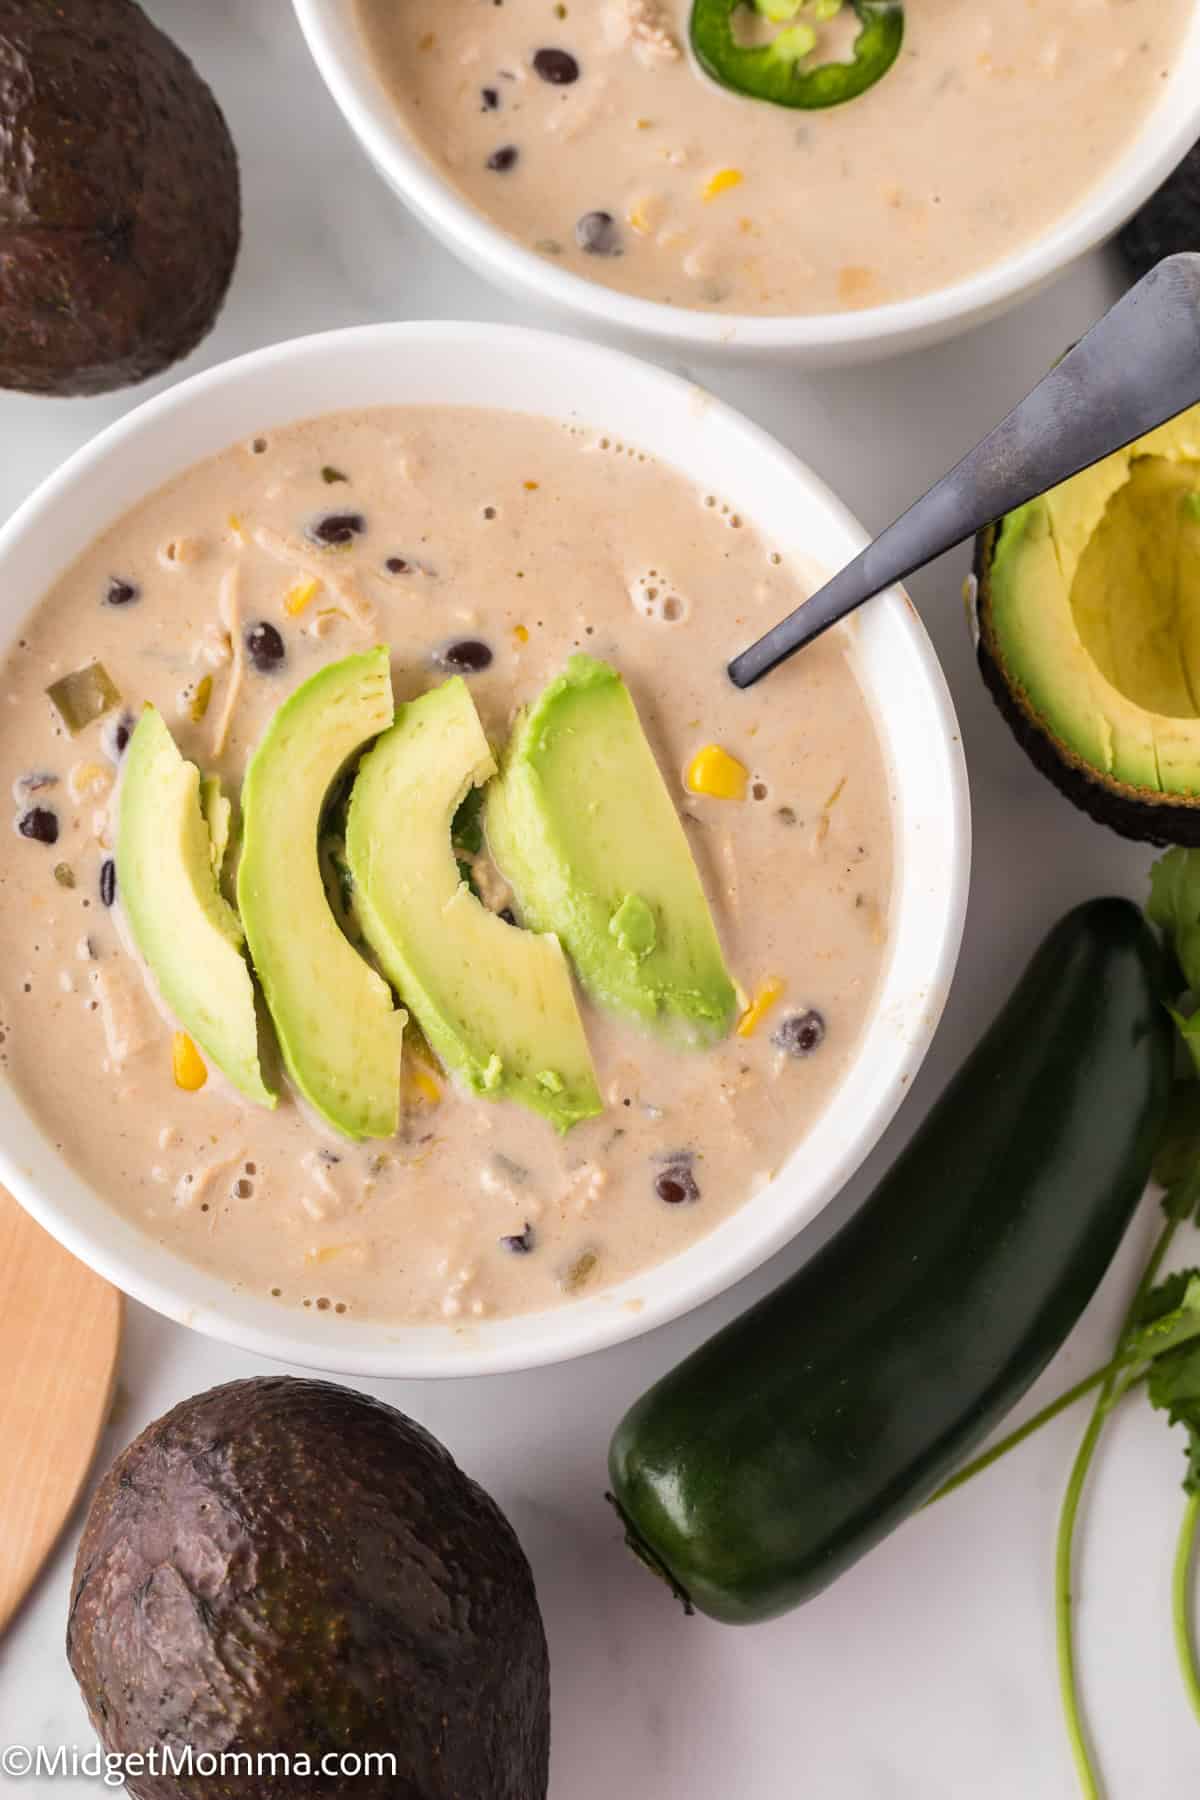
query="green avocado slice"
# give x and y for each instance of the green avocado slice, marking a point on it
(496, 1003)
(187, 933)
(583, 828)
(337, 1025)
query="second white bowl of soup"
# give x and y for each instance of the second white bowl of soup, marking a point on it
(224, 556)
(583, 157)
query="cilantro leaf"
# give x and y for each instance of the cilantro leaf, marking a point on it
(466, 833)
(1174, 1387)
(1168, 1318)
(1177, 1158)
(1174, 906)
(1189, 1031)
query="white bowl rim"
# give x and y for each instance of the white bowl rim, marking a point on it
(375, 1349)
(1102, 210)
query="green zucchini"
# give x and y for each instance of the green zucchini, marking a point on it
(793, 1441)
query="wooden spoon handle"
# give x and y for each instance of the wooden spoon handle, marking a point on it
(60, 1335)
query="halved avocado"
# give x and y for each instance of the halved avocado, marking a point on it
(334, 1016)
(496, 1003)
(188, 934)
(1088, 606)
(584, 829)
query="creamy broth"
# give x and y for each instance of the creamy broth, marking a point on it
(997, 118)
(535, 539)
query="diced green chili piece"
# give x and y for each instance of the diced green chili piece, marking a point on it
(329, 475)
(775, 71)
(84, 696)
(579, 1271)
(779, 11)
(64, 875)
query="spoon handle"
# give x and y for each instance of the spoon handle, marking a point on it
(1138, 366)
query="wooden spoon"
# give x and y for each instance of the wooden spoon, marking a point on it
(60, 1332)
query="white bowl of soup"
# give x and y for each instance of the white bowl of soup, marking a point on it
(492, 501)
(583, 159)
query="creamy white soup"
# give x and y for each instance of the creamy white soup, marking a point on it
(589, 132)
(499, 545)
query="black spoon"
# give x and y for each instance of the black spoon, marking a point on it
(1137, 367)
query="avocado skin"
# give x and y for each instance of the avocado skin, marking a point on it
(285, 1564)
(120, 209)
(1168, 222)
(1130, 814)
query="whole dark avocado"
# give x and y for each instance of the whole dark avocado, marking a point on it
(283, 1565)
(1169, 221)
(120, 209)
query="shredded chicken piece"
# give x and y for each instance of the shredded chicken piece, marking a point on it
(230, 609)
(490, 884)
(585, 1186)
(642, 26)
(125, 1011)
(191, 1188)
(319, 564)
(335, 1185)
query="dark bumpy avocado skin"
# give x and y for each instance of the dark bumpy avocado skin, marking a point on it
(1130, 814)
(120, 211)
(1169, 221)
(283, 1564)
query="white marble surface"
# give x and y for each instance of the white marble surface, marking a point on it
(927, 1673)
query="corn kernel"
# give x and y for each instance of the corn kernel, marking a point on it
(89, 779)
(714, 772)
(420, 1080)
(722, 181)
(187, 1064)
(766, 995)
(201, 698)
(238, 530)
(302, 595)
(521, 633)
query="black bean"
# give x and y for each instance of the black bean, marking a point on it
(503, 159)
(521, 1242)
(801, 1034)
(491, 99)
(467, 657)
(264, 647)
(558, 67)
(336, 530)
(508, 915)
(121, 593)
(40, 824)
(598, 234)
(677, 1186)
(398, 565)
(329, 475)
(108, 881)
(115, 736)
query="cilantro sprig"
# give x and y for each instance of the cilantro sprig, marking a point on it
(1158, 1345)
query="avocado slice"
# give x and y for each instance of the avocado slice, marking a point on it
(188, 934)
(284, 1563)
(1089, 633)
(496, 1003)
(584, 830)
(334, 1015)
